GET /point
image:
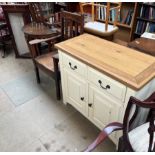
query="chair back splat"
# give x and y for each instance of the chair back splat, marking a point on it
(72, 24)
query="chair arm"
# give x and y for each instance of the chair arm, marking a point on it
(104, 134)
(37, 41)
(151, 98)
(148, 103)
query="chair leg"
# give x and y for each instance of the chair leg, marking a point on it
(120, 145)
(37, 75)
(57, 77)
(4, 51)
(57, 86)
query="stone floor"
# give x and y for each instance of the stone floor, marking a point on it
(31, 119)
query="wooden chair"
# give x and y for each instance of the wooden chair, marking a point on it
(5, 35)
(104, 28)
(138, 135)
(38, 17)
(72, 25)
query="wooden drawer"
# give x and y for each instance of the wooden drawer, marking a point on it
(74, 65)
(107, 84)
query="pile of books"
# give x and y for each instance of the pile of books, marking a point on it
(147, 12)
(143, 26)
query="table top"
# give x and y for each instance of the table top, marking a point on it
(144, 45)
(123, 64)
(39, 30)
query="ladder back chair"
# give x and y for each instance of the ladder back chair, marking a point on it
(138, 127)
(102, 26)
(38, 17)
(72, 25)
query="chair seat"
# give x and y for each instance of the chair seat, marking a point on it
(46, 61)
(139, 138)
(98, 28)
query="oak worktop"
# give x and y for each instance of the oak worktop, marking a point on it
(126, 65)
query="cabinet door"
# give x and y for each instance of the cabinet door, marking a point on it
(102, 108)
(75, 91)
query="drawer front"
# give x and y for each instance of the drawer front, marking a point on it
(107, 84)
(74, 65)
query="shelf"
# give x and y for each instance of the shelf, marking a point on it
(124, 25)
(118, 24)
(147, 20)
(146, 4)
(139, 34)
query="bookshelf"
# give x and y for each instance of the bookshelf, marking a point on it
(125, 30)
(145, 20)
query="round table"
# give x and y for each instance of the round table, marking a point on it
(39, 31)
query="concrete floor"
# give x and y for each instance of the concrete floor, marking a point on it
(31, 119)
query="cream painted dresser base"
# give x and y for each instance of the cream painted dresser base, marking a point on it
(81, 89)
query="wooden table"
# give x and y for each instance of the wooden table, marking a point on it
(144, 45)
(38, 31)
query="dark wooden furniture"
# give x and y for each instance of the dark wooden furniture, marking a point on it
(38, 16)
(5, 37)
(72, 25)
(46, 62)
(37, 33)
(144, 45)
(139, 138)
(38, 30)
(67, 6)
(17, 15)
(143, 17)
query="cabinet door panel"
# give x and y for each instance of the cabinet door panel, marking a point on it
(76, 89)
(103, 109)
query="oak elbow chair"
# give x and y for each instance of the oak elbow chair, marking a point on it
(101, 27)
(71, 26)
(135, 139)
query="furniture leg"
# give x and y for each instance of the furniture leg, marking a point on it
(120, 145)
(4, 50)
(57, 86)
(57, 77)
(37, 74)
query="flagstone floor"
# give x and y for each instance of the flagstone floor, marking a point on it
(31, 119)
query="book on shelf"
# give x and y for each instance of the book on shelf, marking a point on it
(143, 26)
(127, 18)
(147, 12)
(102, 13)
